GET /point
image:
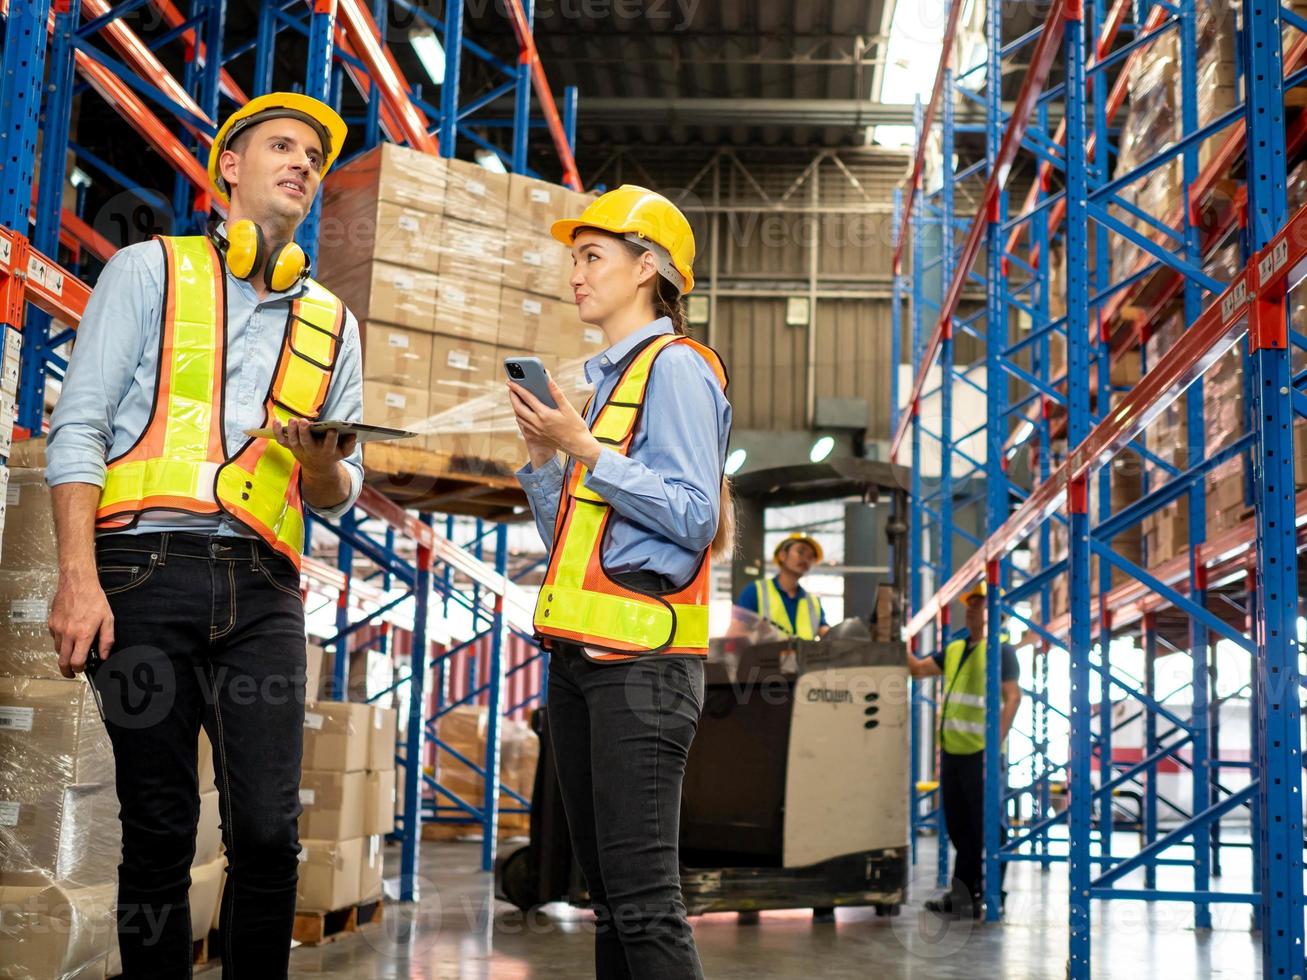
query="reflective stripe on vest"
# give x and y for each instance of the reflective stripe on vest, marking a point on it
(579, 602)
(808, 611)
(180, 463)
(962, 718)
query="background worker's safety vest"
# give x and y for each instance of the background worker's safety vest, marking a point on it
(579, 601)
(180, 461)
(962, 718)
(807, 615)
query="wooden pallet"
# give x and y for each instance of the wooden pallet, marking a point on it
(451, 483)
(316, 928)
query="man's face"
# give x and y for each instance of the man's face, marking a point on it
(976, 616)
(274, 171)
(798, 558)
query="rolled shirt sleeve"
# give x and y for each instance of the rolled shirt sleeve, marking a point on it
(674, 489)
(345, 403)
(110, 344)
(543, 487)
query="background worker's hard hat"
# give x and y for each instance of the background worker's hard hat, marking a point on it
(644, 217)
(794, 539)
(979, 589)
(331, 129)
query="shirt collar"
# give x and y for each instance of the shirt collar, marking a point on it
(798, 589)
(601, 365)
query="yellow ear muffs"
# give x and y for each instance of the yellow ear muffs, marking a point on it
(244, 248)
(285, 267)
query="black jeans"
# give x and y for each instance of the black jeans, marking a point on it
(208, 630)
(621, 733)
(962, 783)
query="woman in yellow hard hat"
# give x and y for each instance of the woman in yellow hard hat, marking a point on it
(630, 516)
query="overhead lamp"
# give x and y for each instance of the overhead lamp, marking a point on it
(821, 449)
(430, 52)
(735, 461)
(490, 161)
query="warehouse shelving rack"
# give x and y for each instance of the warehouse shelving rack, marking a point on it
(1073, 192)
(176, 117)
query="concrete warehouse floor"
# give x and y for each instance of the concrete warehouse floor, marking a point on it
(459, 931)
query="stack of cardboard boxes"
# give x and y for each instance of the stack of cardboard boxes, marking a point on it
(464, 729)
(59, 833)
(449, 268)
(347, 792)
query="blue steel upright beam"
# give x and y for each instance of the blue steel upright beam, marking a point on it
(944, 528)
(996, 493)
(522, 100)
(896, 320)
(1077, 324)
(20, 108)
(49, 204)
(1279, 760)
(449, 91)
(317, 83)
(494, 709)
(1196, 434)
(412, 788)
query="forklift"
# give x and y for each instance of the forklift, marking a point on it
(795, 792)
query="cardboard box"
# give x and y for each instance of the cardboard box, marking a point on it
(575, 340)
(460, 371)
(51, 736)
(527, 323)
(371, 864)
(535, 263)
(388, 173)
(396, 355)
(472, 251)
(381, 739)
(473, 193)
(67, 833)
(313, 658)
(330, 873)
(382, 292)
(206, 889)
(381, 230)
(208, 834)
(394, 405)
(333, 804)
(56, 930)
(29, 541)
(336, 736)
(467, 308)
(25, 598)
(535, 203)
(379, 806)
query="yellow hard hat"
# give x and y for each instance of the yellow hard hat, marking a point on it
(979, 589)
(794, 538)
(644, 217)
(278, 105)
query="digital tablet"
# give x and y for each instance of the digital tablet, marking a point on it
(364, 432)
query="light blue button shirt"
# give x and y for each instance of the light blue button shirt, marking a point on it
(108, 392)
(666, 494)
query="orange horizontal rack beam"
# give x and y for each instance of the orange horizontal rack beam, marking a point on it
(27, 276)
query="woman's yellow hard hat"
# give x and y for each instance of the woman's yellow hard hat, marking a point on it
(330, 127)
(641, 216)
(795, 538)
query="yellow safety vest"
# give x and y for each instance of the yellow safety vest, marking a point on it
(180, 461)
(808, 613)
(962, 717)
(579, 601)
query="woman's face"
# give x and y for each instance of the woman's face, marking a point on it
(605, 275)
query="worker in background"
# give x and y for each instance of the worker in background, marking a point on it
(180, 536)
(962, 664)
(781, 600)
(630, 518)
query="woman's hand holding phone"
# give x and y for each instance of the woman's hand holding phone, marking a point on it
(547, 430)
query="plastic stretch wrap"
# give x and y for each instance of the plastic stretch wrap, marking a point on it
(55, 930)
(28, 578)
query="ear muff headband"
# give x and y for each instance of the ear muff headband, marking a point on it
(244, 249)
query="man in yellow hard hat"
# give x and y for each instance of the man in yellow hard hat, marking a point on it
(781, 600)
(180, 536)
(962, 714)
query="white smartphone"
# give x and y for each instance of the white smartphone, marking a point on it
(530, 373)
